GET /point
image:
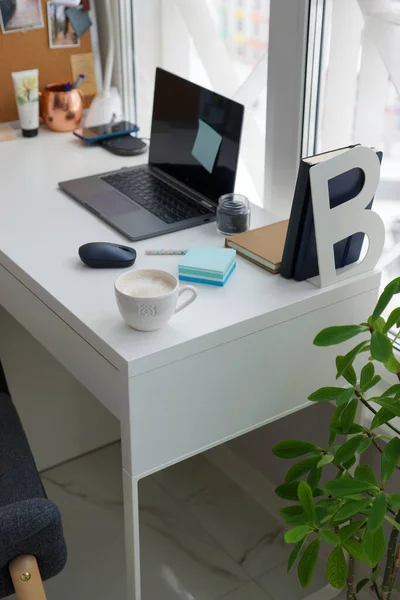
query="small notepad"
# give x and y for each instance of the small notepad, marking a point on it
(204, 264)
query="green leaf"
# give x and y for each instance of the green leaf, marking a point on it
(21, 100)
(393, 522)
(394, 500)
(293, 515)
(350, 374)
(348, 359)
(365, 473)
(382, 416)
(381, 347)
(355, 428)
(336, 570)
(347, 532)
(287, 491)
(354, 548)
(391, 404)
(325, 460)
(327, 394)
(390, 290)
(332, 436)
(367, 374)
(361, 584)
(393, 390)
(378, 324)
(326, 502)
(335, 423)
(390, 458)
(351, 509)
(375, 573)
(308, 563)
(295, 553)
(298, 533)
(349, 415)
(329, 537)
(374, 381)
(394, 318)
(301, 468)
(305, 496)
(374, 546)
(293, 448)
(314, 477)
(392, 365)
(348, 449)
(349, 463)
(365, 444)
(346, 487)
(336, 335)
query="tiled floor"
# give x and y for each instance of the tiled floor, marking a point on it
(202, 537)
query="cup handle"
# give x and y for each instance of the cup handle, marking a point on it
(186, 288)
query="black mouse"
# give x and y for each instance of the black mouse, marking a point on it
(104, 255)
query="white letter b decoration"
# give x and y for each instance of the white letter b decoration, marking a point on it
(333, 225)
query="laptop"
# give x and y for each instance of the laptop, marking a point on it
(193, 156)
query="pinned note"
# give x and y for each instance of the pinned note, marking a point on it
(84, 64)
(206, 146)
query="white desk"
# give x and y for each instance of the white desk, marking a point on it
(239, 357)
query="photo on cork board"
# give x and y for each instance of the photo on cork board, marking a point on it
(61, 32)
(20, 15)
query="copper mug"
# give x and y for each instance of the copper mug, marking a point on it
(60, 110)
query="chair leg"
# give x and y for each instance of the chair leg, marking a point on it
(26, 578)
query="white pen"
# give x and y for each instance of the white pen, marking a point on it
(163, 252)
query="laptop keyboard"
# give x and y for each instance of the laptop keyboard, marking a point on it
(155, 196)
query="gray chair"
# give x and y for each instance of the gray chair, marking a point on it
(32, 546)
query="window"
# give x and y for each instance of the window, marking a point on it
(356, 98)
(208, 42)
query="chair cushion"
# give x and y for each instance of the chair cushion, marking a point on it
(19, 478)
(31, 527)
(29, 522)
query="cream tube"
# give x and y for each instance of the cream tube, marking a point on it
(26, 87)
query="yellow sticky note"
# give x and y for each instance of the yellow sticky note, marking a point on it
(84, 64)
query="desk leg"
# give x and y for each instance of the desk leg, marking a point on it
(132, 546)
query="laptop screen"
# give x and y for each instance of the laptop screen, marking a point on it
(195, 135)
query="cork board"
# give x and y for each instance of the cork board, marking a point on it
(30, 50)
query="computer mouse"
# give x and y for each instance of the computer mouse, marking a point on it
(104, 255)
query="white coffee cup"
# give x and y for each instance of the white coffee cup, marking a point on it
(147, 298)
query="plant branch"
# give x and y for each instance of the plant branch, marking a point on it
(367, 405)
(387, 585)
(376, 590)
(396, 567)
(350, 580)
(396, 337)
(375, 443)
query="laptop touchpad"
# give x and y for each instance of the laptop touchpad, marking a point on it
(112, 204)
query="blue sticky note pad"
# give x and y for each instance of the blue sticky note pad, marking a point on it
(206, 258)
(206, 146)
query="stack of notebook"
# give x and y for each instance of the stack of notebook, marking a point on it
(203, 264)
(263, 246)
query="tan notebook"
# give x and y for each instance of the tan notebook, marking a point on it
(263, 246)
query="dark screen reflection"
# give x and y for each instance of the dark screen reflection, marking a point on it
(178, 107)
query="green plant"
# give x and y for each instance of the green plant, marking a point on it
(348, 512)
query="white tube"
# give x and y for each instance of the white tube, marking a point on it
(108, 71)
(26, 87)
